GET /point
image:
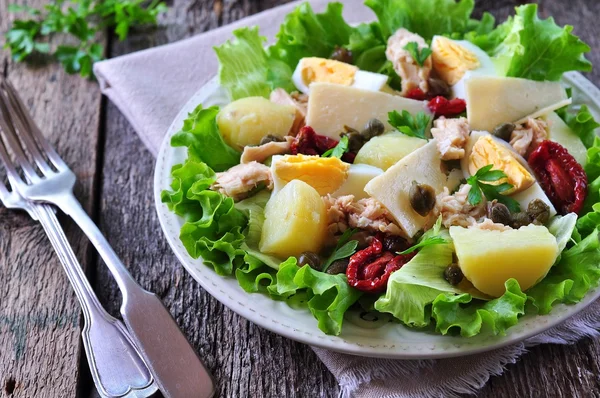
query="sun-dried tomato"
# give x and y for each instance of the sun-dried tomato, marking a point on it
(370, 269)
(561, 177)
(441, 106)
(416, 94)
(307, 142)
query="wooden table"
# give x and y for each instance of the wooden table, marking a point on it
(40, 319)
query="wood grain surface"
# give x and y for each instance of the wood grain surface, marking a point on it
(40, 353)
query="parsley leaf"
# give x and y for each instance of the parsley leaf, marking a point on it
(480, 188)
(407, 124)
(344, 248)
(431, 240)
(339, 150)
(420, 55)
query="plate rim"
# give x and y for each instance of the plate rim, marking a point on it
(454, 348)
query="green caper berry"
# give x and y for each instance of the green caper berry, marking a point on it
(338, 267)
(453, 274)
(538, 211)
(520, 220)
(271, 138)
(422, 198)
(504, 131)
(438, 87)
(500, 214)
(373, 128)
(311, 259)
(355, 139)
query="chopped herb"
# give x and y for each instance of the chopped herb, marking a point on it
(431, 240)
(420, 55)
(409, 125)
(480, 188)
(344, 248)
(339, 150)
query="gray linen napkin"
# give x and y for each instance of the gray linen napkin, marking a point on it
(151, 86)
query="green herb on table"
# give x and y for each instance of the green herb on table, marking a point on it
(81, 21)
(344, 248)
(480, 187)
(413, 126)
(339, 150)
(420, 55)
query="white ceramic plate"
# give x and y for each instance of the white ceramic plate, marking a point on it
(391, 340)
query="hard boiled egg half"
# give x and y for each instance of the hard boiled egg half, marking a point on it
(321, 70)
(455, 61)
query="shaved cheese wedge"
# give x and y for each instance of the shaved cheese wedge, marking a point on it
(495, 100)
(545, 111)
(392, 187)
(559, 131)
(333, 106)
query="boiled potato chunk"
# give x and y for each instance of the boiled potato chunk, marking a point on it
(385, 150)
(247, 120)
(295, 221)
(490, 258)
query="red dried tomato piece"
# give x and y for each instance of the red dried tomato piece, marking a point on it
(370, 269)
(416, 94)
(307, 142)
(441, 106)
(561, 177)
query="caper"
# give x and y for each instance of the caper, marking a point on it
(271, 138)
(355, 139)
(373, 128)
(538, 211)
(342, 54)
(394, 244)
(311, 259)
(499, 213)
(438, 87)
(453, 274)
(422, 198)
(338, 267)
(504, 131)
(520, 219)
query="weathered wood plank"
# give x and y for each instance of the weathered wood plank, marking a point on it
(40, 318)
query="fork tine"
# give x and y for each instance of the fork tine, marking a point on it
(21, 125)
(11, 141)
(30, 127)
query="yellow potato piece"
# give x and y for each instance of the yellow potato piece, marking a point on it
(325, 175)
(487, 151)
(247, 120)
(451, 60)
(490, 258)
(385, 150)
(295, 221)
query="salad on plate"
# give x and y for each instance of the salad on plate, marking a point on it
(428, 167)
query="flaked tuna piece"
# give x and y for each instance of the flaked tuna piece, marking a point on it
(240, 180)
(412, 74)
(263, 152)
(526, 137)
(451, 136)
(300, 101)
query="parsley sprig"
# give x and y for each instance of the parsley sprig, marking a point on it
(480, 187)
(413, 126)
(339, 150)
(344, 248)
(81, 21)
(420, 55)
(429, 241)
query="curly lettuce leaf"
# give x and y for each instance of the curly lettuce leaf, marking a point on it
(200, 134)
(247, 70)
(472, 317)
(426, 17)
(583, 124)
(191, 173)
(253, 276)
(328, 297)
(534, 48)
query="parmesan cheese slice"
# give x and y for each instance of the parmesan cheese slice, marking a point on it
(333, 106)
(392, 187)
(495, 100)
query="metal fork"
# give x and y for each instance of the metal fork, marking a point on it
(175, 366)
(115, 364)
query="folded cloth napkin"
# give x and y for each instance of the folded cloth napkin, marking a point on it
(151, 86)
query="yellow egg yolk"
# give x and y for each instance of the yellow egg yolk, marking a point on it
(320, 70)
(486, 151)
(451, 60)
(325, 175)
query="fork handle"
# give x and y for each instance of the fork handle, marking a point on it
(116, 365)
(176, 368)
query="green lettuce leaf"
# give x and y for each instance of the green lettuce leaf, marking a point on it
(200, 134)
(328, 297)
(583, 124)
(254, 276)
(537, 49)
(306, 34)
(472, 317)
(191, 173)
(426, 17)
(247, 70)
